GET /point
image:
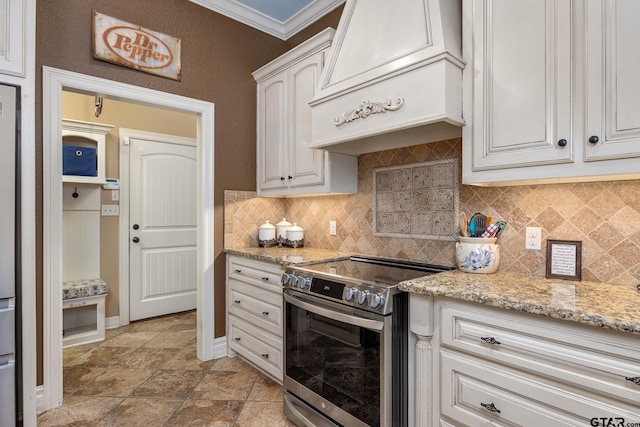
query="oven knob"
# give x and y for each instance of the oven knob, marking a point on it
(362, 297)
(350, 294)
(377, 300)
(286, 278)
(305, 283)
(294, 281)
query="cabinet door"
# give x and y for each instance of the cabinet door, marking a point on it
(519, 78)
(306, 165)
(613, 87)
(272, 133)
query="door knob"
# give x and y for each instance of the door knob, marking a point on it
(135, 226)
(135, 240)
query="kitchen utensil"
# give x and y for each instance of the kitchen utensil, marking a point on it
(463, 223)
(480, 224)
(494, 229)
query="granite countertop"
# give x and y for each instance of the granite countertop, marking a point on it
(603, 305)
(289, 256)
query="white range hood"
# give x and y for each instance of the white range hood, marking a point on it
(393, 78)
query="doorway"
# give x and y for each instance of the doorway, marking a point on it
(54, 82)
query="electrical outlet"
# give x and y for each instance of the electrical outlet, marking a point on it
(110, 210)
(533, 238)
(333, 228)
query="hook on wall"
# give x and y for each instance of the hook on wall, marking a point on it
(98, 104)
(75, 193)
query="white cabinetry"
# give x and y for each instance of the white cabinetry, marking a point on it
(502, 367)
(254, 307)
(285, 164)
(89, 135)
(550, 91)
(12, 25)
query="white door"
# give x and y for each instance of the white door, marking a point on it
(162, 227)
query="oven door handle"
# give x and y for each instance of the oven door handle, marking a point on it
(350, 319)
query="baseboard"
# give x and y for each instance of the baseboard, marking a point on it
(40, 399)
(112, 322)
(219, 347)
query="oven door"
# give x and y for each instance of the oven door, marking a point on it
(338, 360)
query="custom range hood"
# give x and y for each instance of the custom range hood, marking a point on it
(393, 77)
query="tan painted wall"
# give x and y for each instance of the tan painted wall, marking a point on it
(218, 57)
(121, 115)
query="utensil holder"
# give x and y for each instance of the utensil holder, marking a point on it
(477, 255)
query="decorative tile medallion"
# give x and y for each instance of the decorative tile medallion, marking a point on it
(418, 200)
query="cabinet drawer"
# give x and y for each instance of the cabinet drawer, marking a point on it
(476, 391)
(259, 347)
(262, 274)
(567, 351)
(256, 305)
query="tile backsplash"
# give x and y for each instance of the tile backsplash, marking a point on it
(605, 216)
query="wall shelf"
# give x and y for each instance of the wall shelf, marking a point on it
(87, 134)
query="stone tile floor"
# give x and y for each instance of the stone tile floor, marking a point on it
(147, 374)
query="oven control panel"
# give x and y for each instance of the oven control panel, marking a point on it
(363, 296)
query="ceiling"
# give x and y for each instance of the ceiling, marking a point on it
(280, 18)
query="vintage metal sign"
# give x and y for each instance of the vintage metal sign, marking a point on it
(135, 47)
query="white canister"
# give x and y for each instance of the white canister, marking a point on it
(295, 236)
(281, 231)
(477, 254)
(266, 234)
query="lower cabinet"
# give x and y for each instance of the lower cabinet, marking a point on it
(491, 366)
(254, 313)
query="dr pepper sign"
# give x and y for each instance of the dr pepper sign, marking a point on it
(135, 47)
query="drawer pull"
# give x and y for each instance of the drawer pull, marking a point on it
(490, 340)
(490, 407)
(237, 270)
(635, 380)
(265, 313)
(237, 338)
(266, 279)
(237, 301)
(265, 355)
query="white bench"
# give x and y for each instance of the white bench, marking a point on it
(83, 311)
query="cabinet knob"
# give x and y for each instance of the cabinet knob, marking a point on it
(265, 355)
(490, 340)
(490, 407)
(265, 313)
(562, 143)
(135, 240)
(290, 177)
(635, 380)
(237, 301)
(282, 178)
(237, 338)
(237, 270)
(593, 139)
(266, 279)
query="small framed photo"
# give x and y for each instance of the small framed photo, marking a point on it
(564, 259)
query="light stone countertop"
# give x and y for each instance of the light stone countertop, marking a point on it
(602, 305)
(289, 256)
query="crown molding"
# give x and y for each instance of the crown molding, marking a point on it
(282, 30)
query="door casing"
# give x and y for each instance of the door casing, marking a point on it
(54, 81)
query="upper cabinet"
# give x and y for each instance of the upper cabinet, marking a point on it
(12, 37)
(286, 166)
(549, 91)
(83, 151)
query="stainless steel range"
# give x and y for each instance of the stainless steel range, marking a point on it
(346, 342)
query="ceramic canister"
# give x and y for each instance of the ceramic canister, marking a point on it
(281, 231)
(477, 254)
(266, 234)
(295, 236)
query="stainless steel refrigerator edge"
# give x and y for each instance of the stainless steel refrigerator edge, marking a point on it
(8, 317)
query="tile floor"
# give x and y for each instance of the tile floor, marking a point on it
(147, 374)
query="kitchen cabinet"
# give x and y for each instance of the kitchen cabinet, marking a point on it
(549, 91)
(254, 313)
(489, 365)
(91, 136)
(285, 164)
(12, 50)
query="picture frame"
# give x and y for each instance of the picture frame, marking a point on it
(564, 259)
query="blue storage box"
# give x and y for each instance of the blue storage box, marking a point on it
(80, 161)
